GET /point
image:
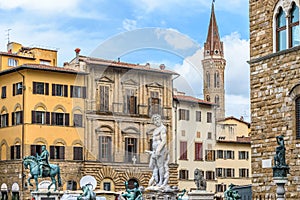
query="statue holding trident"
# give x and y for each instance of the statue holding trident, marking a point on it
(160, 157)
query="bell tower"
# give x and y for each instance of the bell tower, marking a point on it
(213, 64)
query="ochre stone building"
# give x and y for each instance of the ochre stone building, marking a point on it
(275, 91)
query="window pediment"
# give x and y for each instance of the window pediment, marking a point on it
(154, 85)
(104, 79)
(130, 130)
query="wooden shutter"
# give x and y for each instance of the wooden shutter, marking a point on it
(187, 115)
(33, 150)
(7, 117)
(65, 91)
(53, 118)
(71, 91)
(53, 90)
(48, 118)
(21, 117)
(33, 117)
(13, 118)
(52, 152)
(34, 87)
(18, 151)
(12, 152)
(67, 119)
(61, 152)
(83, 92)
(14, 89)
(46, 88)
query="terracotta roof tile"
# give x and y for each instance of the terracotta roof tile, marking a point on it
(191, 99)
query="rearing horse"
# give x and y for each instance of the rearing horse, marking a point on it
(33, 164)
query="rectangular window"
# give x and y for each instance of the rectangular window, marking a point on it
(59, 90)
(219, 172)
(220, 188)
(154, 103)
(17, 88)
(17, 118)
(198, 116)
(104, 98)
(243, 155)
(77, 120)
(130, 149)
(210, 175)
(78, 91)
(183, 150)
(184, 114)
(77, 153)
(40, 88)
(45, 62)
(12, 62)
(40, 117)
(184, 174)
(243, 173)
(209, 117)
(130, 104)
(15, 152)
(228, 154)
(35, 149)
(60, 119)
(198, 151)
(209, 135)
(228, 172)
(105, 149)
(210, 155)
(4, 120)
(3, 92)
(57, 152)
(220, 154)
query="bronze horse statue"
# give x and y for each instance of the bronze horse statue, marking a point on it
(33, 164)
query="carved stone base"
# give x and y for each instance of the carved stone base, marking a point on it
(280, 190)
(280, 171)
(42, 195)
(201, 195)
(153, 193)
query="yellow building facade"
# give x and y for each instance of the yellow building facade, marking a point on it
(233, 154)
(40, 104)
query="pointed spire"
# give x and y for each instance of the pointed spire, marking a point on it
(213, 44)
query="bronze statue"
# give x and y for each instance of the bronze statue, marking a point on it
(132, 194)
(182, 194)
(230, 194)
(43, 160)
(88, 193)
(279, 158)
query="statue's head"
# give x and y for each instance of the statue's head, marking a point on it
(43, 147)
(156, 119)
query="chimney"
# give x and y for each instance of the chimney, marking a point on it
(77, 51)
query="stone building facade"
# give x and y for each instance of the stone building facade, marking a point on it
(274, 73)
(121, 99)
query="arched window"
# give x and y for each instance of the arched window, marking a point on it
(294, 37)
(207, 98)
(207, 80)
(281, 30)
(217, 100)
(216, 79)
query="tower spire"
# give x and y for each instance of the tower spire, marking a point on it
(213, 44)
(214, 67)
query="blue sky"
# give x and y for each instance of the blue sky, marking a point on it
(155, 31)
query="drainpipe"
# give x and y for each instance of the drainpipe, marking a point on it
(23, 128)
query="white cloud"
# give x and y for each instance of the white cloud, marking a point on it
(40, 6)
(129, 24)
(177, 40)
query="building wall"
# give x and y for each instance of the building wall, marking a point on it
(273, 77)
(192, 131)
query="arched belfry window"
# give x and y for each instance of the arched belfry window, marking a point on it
(297, 104)
(281, 30)
(217, 79)
(207, 80)
(294, 37)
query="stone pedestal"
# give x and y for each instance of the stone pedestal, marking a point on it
(201, 195)
(45, 195)
(280, 182)
(160, 194)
